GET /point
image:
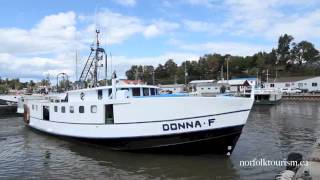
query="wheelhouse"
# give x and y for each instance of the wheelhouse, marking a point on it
(105, 93)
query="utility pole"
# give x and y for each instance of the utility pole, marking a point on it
(222, 73)
(185, 73)
(153, 77)
(227, 69)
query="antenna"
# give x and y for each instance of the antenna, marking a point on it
(110, 62)
(76, 64)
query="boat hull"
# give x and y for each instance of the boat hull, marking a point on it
(218, 141)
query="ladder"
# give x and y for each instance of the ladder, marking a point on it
(87, 67)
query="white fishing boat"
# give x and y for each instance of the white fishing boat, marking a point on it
(266, 96)
(9, 99)
(137, 118)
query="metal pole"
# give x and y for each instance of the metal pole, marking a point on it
(227, 69)
(185, 73)
(152, 77)
(76, 65)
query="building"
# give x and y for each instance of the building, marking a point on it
(306, 83)
(205, 86)
(238, 84)
(130, 82)
(172, 88)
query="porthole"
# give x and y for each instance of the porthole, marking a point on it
(63, 109)
(94, 109)
(81, 109)
(71, 108)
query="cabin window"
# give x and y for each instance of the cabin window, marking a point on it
(152, 91)
(81, 109)
(136, 92)
(71, 109)
(314, 84)
(63, 109)
(271, 85)
(145, 91)
(46, 113)
(94, 109)
(125, 89)
(109, 92)
(55, 108)
(100, 94)
(109, 118)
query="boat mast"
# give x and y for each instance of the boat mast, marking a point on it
(92, 64)
(97, 58)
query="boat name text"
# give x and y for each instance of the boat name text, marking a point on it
(186, 125)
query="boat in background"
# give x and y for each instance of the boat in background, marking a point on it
(9, 99)
(266, 96)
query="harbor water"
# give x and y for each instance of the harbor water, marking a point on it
(271, 133)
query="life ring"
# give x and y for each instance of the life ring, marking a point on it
(26, 114)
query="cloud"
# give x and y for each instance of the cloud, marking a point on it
(269, 19)
(119, 27)
(49, 46)
(202, 26)
(46, 48)
(306, 27)
(159, 27)
(233, 48)
(125, 2)
(206, 3)
(34, 67)
(54, 33)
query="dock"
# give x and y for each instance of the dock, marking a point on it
(312, 171)
(301, 97)
(8, 109)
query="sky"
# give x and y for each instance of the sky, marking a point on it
(41, 37)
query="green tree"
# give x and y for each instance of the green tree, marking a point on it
(304, 51)
(283, 50)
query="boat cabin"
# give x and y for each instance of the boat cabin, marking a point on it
(104, 93)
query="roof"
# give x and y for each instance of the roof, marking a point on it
(117, 86)
(248, 78)
(202, 81)
(171, 85)
(234, 82)
(291, 79)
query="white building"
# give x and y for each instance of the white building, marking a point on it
(205, 86)
(238, 84)
(172, 88)
(310, 84)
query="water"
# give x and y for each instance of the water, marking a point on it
(271, 133)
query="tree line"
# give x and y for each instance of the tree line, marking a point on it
(288, 59)
(16, 84)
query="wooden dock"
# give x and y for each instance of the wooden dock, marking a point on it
(301, 97)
